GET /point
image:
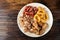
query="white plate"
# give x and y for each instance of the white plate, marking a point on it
(50, 20)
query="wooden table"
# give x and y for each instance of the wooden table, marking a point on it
(8, 15)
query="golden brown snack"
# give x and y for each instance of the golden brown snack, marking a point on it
(35, 23)
(41, 15)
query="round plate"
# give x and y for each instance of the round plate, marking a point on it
(49, 21)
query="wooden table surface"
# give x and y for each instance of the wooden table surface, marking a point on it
(8, 19)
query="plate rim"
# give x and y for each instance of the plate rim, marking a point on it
(40, 35)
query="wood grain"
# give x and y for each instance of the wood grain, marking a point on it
(8, 19)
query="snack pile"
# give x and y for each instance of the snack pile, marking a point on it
(34, 20)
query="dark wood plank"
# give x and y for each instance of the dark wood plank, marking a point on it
(8, 19)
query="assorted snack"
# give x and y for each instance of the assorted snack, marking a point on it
(34, 20)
